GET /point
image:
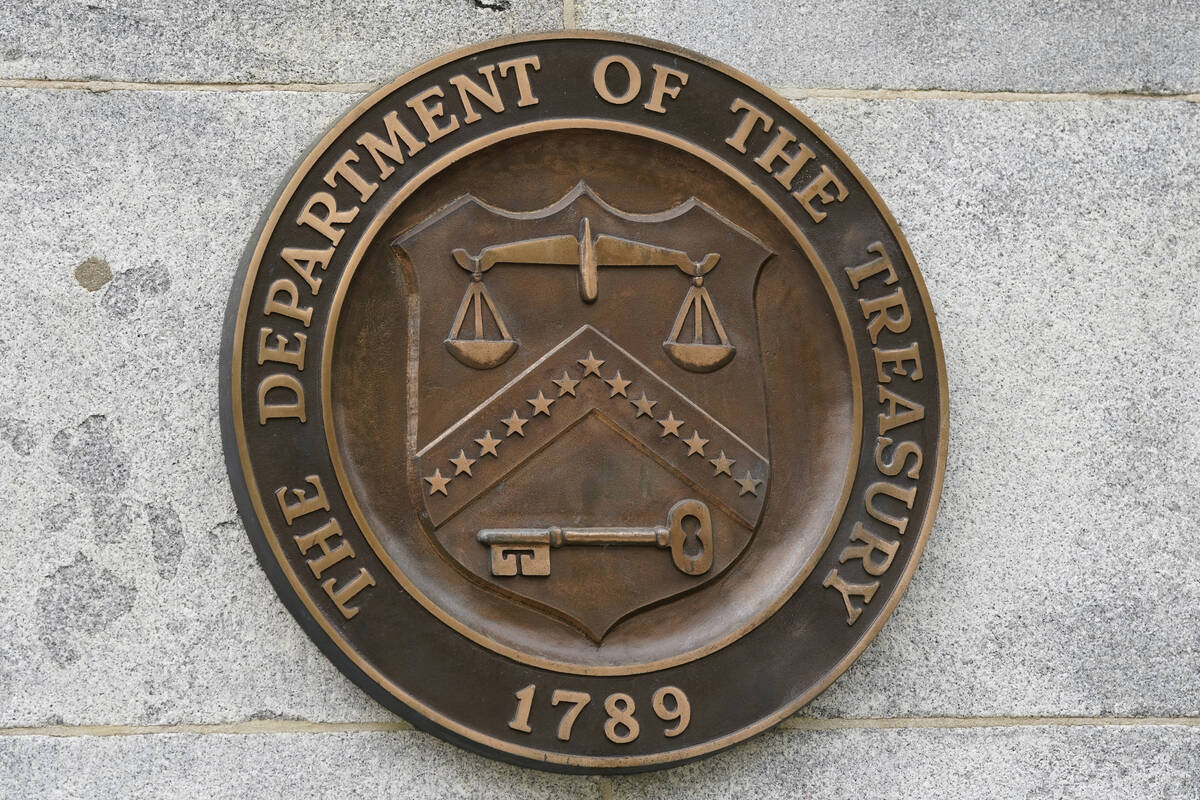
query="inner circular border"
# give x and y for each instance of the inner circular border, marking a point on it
(368, 237)
(333, 643)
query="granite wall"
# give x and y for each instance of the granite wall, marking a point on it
(1043, 161)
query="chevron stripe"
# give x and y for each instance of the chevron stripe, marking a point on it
(589, 374)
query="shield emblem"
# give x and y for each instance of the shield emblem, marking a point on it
(589, 433)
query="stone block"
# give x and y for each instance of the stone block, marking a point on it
(136, 597)
(213, 41)
(1014, 763)
(997, 45)
(403, 764)
(1057, 245)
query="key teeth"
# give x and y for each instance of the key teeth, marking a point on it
(511, 561)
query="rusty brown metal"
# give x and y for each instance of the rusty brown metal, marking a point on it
(583, 402)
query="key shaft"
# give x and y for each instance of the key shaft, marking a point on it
(526, 551)
(557, 537)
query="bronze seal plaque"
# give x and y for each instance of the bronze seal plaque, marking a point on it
(583, 402)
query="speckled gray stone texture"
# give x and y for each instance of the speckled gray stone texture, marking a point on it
(1108, 45)
(216, 41)
(1054, 763)
(1058, 243)
(406, 764)
(1161, 762)
(135, 597)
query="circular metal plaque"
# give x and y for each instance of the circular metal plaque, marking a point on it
(583, 402)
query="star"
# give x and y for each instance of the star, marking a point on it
(748, 484)
(437, 483)
(695, 444)
(670, 424)
(541, 404)
(591, 365)
(487, 445)
(644, 406)
(618, 385)
(515, 424)
(462, 463)
(566, 385)
(722, 463)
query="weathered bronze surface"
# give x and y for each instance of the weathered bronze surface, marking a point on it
(584, 403)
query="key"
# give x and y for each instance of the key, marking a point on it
(526, 551)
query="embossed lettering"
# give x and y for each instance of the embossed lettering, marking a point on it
(292, 307)
(304, 504)
(288, 400)
(753, 116)
(520, 68)
(897, 358)
(278, 351)
(633, 80)
(305, 262)
(906, 496)
(899, 457)
(467, 88)
(877, 312)
(847, 590)
(429, 115)
(880, 264)
(320, 538)
(324, 224)
(397, 134)
(662, 88)
(818, 189)
(342, 169)
(898, 411)
(792, 162)
(341, 597)
(871, 544)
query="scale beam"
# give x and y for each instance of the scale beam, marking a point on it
(586, 253)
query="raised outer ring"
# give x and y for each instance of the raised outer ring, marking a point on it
(301, 606)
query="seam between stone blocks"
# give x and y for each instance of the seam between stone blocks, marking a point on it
(248, 728)
(790, 93)
(796, 93)
(266, 727)
(892, 723)
(101, 86)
